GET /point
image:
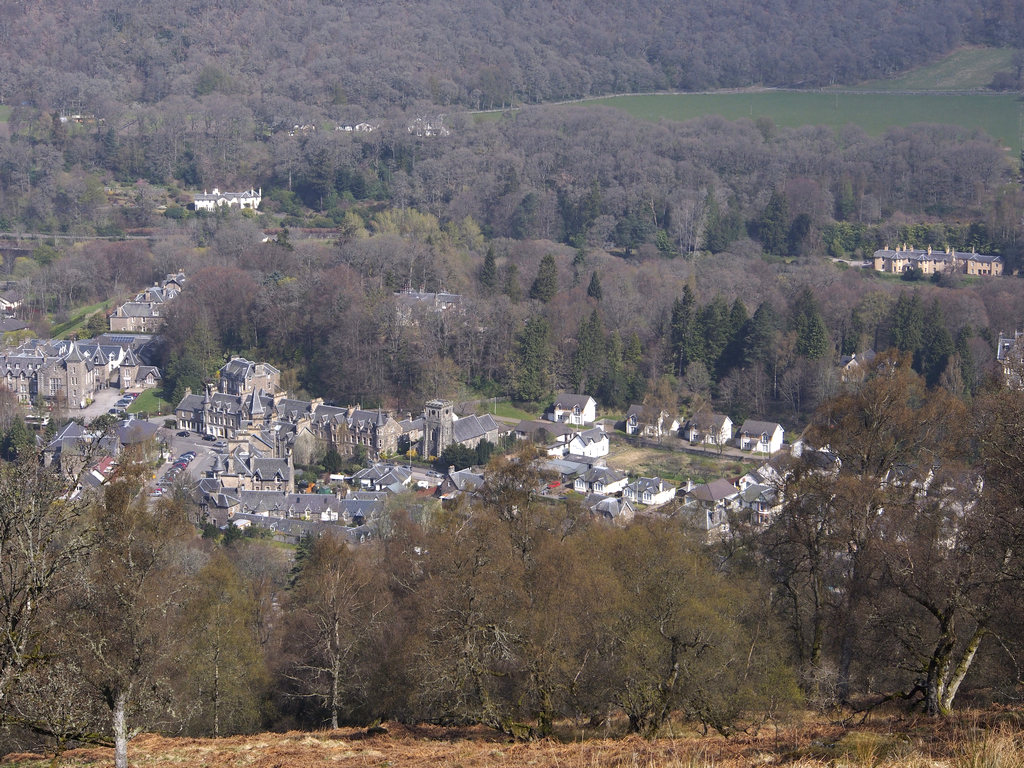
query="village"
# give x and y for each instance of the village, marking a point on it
(245, 451)
(243, 445)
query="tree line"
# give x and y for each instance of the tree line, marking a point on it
(588, 177)
(734, 332)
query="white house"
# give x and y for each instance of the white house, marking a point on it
(211, 201)
(710, 428)
(760, 436)
(651, 491)
(592, 443)
(641, 420)
(574, 409)
(602, 480)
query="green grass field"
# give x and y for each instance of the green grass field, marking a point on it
(150, 402)
(5, 113)
(875, 106)
(78, 319)
(967, 69)
(506, 410)
(996, 114)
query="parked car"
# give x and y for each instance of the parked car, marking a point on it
(131, 395)
(184, 433)
(117, 409)
(209, 438)
(188, 455)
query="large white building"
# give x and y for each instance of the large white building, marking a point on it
(211, 201)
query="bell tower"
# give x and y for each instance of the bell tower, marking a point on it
(438, 427)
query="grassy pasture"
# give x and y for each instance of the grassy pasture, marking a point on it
(950, 91)
(5, 113)
(996, 114)
(969, 68)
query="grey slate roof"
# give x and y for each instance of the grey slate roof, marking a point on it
(608, 506)
(707, 421)
(605, 475)
(473, 427)
(132, 431)
(568, 402)
(754, 427)
(716, 490)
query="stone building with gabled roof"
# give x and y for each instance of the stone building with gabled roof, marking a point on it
(68, 372)
(903, 258)
(239, 376)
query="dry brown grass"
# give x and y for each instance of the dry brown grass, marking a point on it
(988, 740)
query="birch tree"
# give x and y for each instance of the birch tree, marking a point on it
(44, 536)
(337, 609)
(125, 615)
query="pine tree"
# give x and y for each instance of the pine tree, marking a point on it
(773, 226)
(545, 285)
(633, 360)
(908, 323)
(589, 355)
(812, 340)
(760, 333)
(936, 346)
(594, 289)
(711, 334)
(613, 389)
(732, 355)
(681, 331)
(489, 271)
(532, 361)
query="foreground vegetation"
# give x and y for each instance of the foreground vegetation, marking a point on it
(889, 577)
(979, 739)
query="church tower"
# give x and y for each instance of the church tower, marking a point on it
(438, 427)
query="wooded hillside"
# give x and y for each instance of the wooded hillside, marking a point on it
(290, 61)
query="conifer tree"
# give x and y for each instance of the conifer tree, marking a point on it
(773, 226)
(545, 285)
(594, 289)
(681, 331)
(489, 271)
(532, 361)
(812, 340)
